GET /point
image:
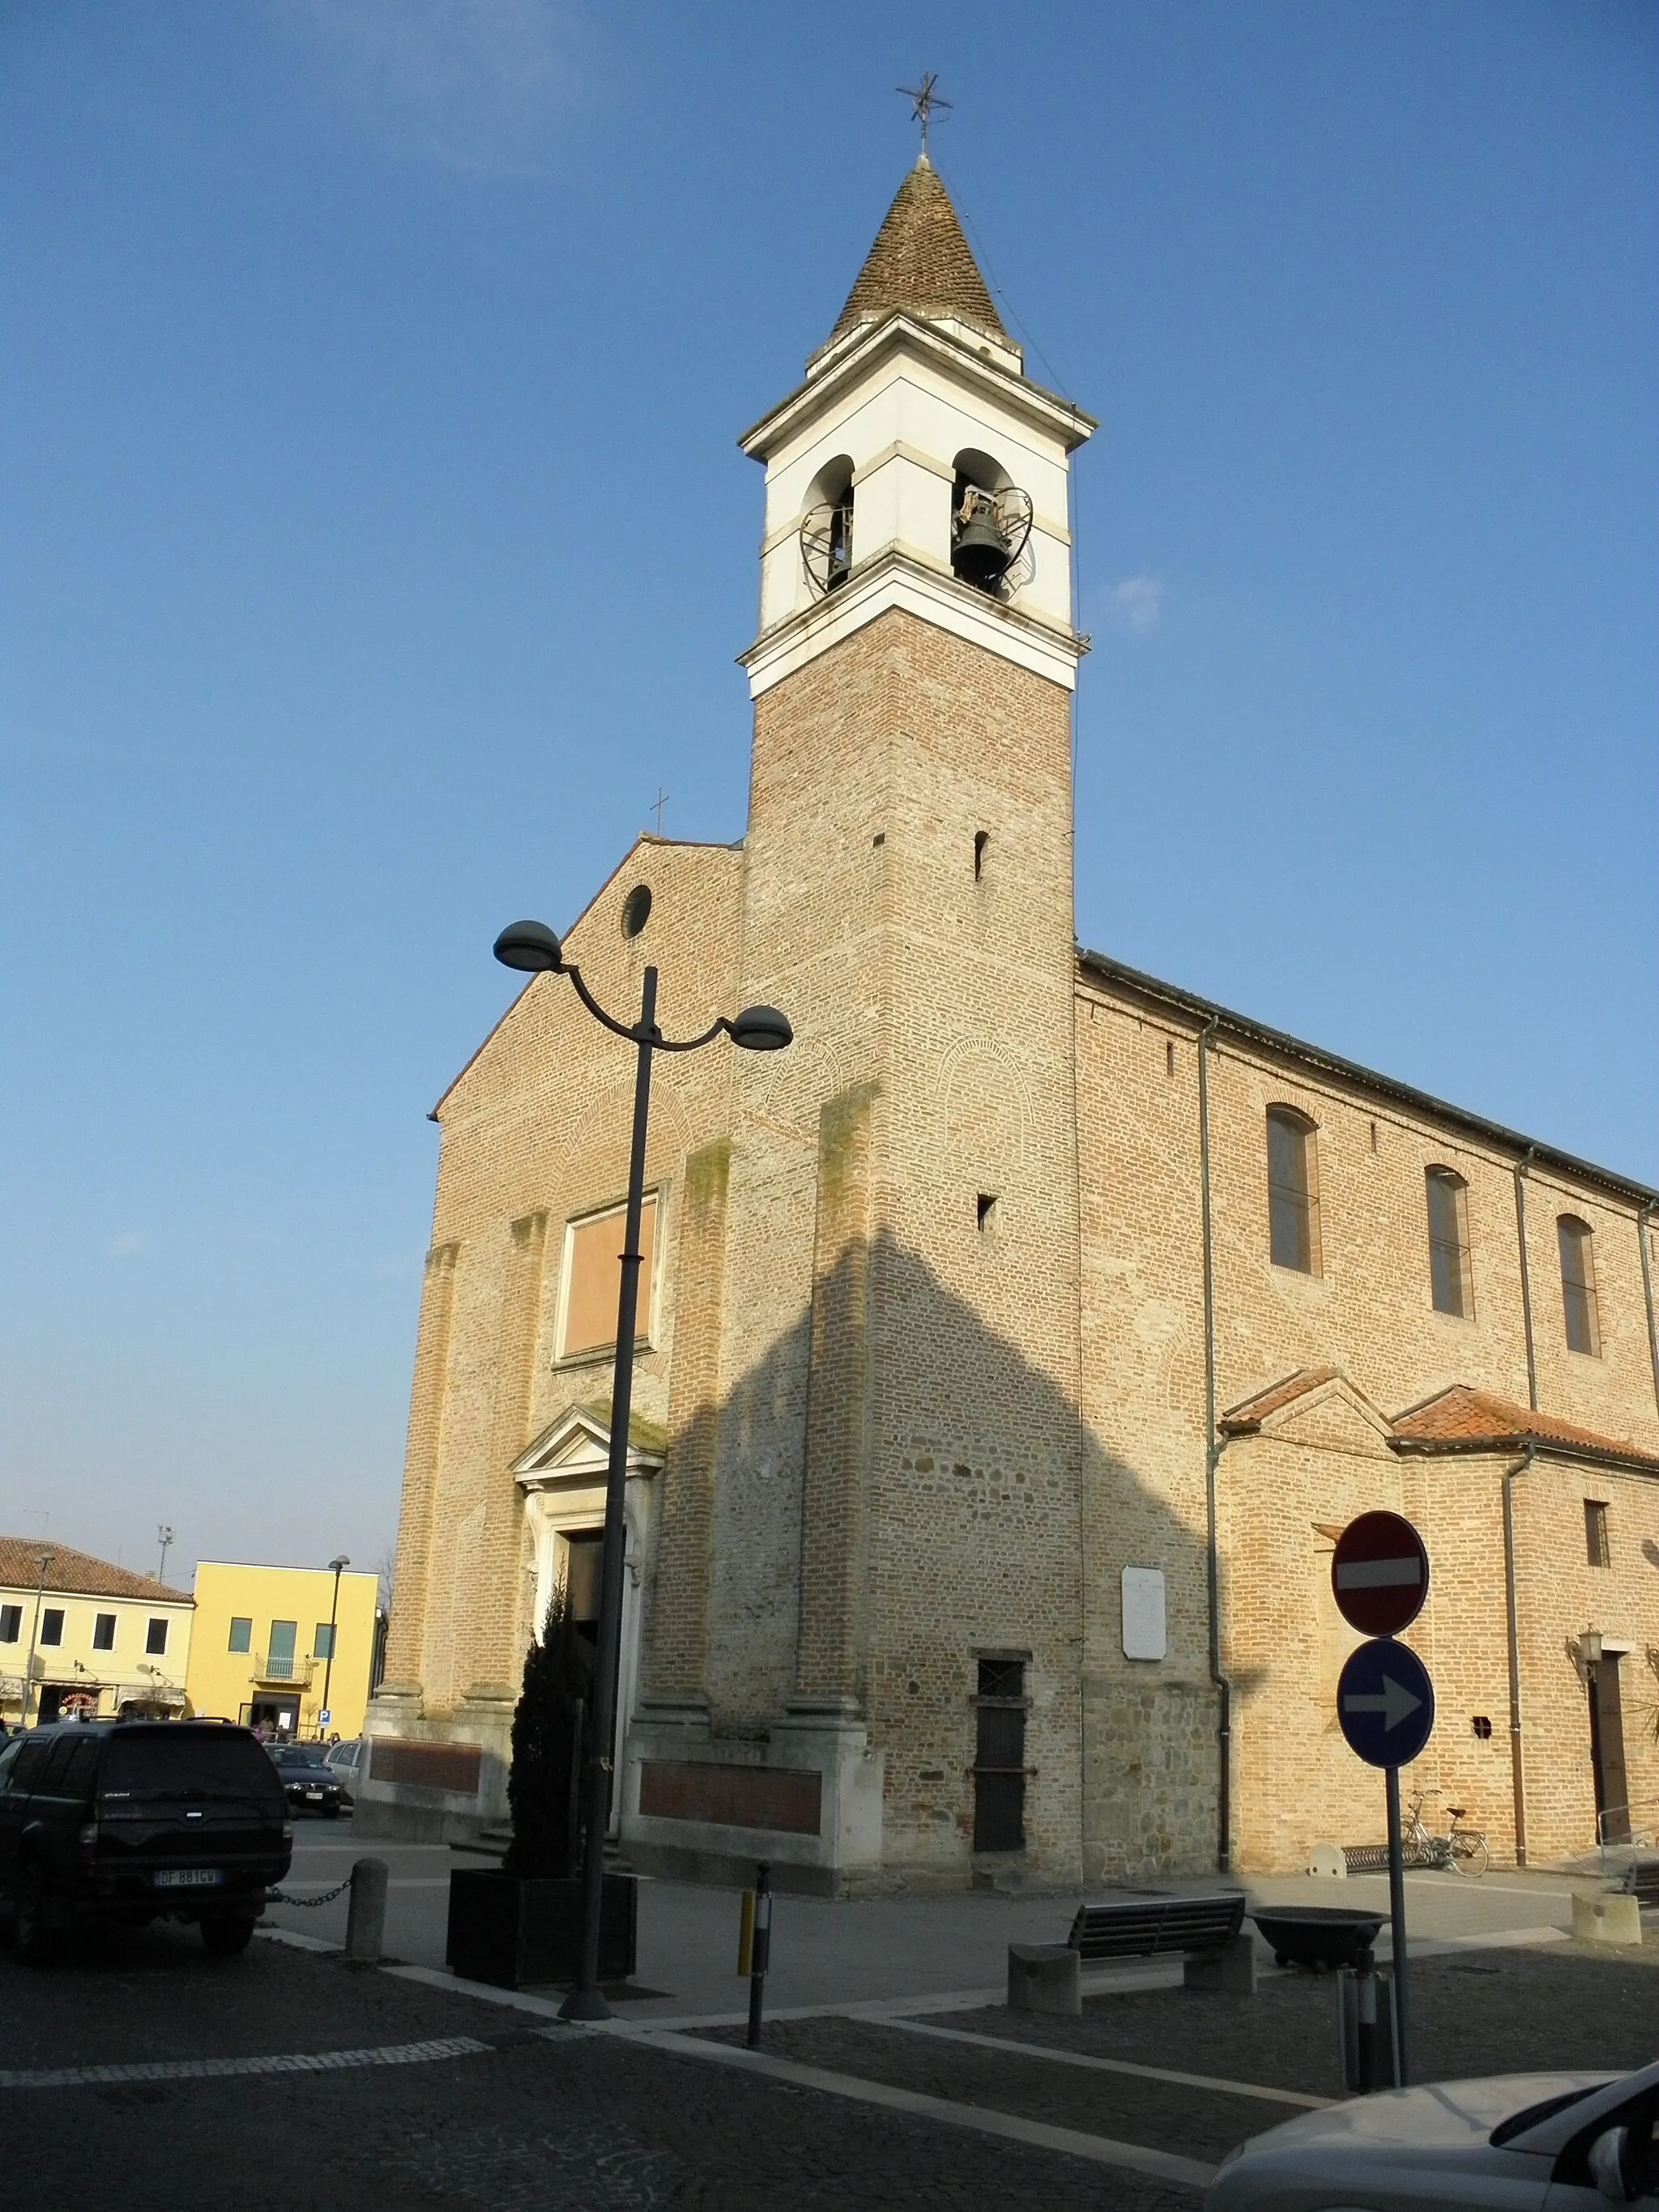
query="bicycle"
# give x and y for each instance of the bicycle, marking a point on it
(1463, 1849)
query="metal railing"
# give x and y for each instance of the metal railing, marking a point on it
(283, 1667)
(1619, 1830)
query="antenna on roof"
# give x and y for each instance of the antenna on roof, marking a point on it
(165, 1535)
(924, 99)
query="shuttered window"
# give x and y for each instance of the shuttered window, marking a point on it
(593, 1279)
(1578, 1285)
(999, 1757)
(1449, 1243)
(1292, 1191)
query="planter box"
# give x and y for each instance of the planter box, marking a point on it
(516, 1934)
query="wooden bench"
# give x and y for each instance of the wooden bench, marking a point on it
(1205, 1931)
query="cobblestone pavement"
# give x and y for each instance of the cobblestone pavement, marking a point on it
(535, 2123)
(540, 2119)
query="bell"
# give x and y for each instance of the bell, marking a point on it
(979, 555)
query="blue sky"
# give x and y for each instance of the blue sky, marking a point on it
(374, 546)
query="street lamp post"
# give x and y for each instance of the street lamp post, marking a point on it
(337, 1567)
(48, 1560)
(533, 948)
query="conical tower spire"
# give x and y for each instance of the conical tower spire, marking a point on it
(920, 263)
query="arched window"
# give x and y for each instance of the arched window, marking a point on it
(1449, 1243)
(1576, 1240)
(827, 525)
(1292, 1191)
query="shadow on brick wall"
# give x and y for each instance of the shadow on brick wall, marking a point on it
(895, 1490)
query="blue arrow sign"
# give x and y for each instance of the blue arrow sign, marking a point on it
(1385, 1702)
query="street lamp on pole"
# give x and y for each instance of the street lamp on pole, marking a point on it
(533, 947)
(48, 1560)
(337, 1567)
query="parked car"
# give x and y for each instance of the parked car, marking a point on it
(122, 1822)
(1551, 2143)
(309, 1784)
(349, 1762)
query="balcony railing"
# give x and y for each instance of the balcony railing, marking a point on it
(283, 1669)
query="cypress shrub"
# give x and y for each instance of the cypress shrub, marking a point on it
(548, 1762)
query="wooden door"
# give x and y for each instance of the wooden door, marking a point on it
(1607, 1751)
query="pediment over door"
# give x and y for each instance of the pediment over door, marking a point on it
(575, 1451)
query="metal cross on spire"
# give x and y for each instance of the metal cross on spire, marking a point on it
(924, 98)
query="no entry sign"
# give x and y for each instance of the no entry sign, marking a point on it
(1385, 1702)
(1380, 1574)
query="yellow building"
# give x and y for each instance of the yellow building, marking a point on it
(77, 1634)
(261, 1650)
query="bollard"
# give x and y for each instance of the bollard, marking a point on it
(1370, 2050)
(366, 1915)
(1365, 2020)
(758, 1928)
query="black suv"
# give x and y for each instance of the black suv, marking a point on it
(123, 1822)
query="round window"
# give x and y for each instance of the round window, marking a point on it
(637, 910)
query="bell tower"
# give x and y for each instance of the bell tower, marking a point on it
(895, 1498)
(917, 467)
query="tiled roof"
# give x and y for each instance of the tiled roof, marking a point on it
(77, 1574)
(1457, 1419)
(1253, 1412)
(1467, 1420)
(920, 262)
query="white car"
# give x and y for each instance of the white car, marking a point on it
(1515, 2142)
(348, 1761)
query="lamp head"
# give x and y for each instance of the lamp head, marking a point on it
(1589, 1644)
(762, 1028)
(532, 946)
(338, 1566)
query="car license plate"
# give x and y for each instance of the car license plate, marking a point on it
(189, 1878)
(317, 1794)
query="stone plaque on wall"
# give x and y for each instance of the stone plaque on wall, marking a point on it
(1144, 1632)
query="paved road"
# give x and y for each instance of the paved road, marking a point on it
(827, 1953)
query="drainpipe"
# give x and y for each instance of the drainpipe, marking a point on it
(1643, 1226)
(1520, 1167)
(1211, 1455)
(1518, 1766)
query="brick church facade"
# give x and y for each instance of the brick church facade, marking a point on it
(1018, 1342)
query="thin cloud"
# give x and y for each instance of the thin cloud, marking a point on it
(129, 1241)
(1138, 601)
(477, 85)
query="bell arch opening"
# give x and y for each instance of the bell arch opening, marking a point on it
(982, 540)
(826, 527)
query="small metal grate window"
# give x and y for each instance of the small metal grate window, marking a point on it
(1597, 1549)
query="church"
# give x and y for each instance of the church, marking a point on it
(1014, 1347)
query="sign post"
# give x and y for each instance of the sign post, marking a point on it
(1384, 1698)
